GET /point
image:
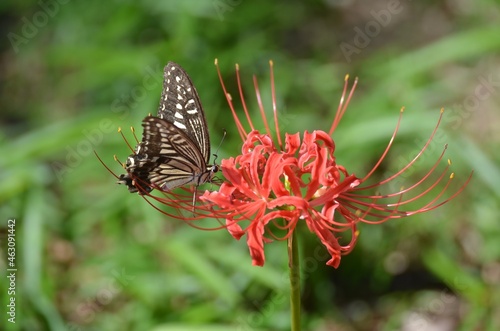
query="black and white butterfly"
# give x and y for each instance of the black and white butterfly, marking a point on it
(175, 146)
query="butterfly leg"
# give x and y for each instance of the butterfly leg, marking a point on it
(194, 197)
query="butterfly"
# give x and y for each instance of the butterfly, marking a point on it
(175, 146)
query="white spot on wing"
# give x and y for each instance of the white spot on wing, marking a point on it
(193, 111)
(180, 125)
(178, 115)
(178, 106)
(177, 79)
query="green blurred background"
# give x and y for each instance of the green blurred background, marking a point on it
(91, 256)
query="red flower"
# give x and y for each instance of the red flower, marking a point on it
(300, 181)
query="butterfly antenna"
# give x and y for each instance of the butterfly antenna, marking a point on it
(216, 154)
(133, 132)
(125, 139)
(105, 166)
(120, 162)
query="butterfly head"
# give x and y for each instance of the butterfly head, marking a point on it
(135, 184)
(138, 167)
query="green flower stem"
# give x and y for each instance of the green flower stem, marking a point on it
(294, 266)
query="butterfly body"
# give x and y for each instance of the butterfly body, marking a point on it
(175, 146)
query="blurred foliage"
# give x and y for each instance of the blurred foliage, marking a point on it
(91, 256)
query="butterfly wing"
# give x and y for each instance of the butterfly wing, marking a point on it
(165, 158)
(180, 105)
(175, 146)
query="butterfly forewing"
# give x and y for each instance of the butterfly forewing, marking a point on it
(180, 105)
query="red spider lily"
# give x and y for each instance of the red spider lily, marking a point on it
(300, 180)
